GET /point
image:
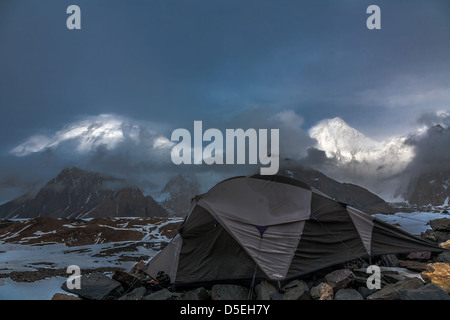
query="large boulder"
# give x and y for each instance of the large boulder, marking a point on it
(430, 291)
(348, 294)
(442, 224)
(439, 232)
(390, 291)
(97, 286)
(340, 279)
(436, 236)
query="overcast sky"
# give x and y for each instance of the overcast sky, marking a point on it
(169, 62)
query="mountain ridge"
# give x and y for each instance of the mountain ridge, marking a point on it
(429, 188)
(76, 193)
(178, 192)
(348, 193)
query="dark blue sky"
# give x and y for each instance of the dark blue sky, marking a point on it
(173, 62)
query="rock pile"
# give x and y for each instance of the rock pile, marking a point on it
(414, 276)
(348, 283)
(439, 232)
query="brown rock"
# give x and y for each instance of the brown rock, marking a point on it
(445, 245)
(412, 265)
(420, 255)
(442, 224)
(438, 273)
(323, 291)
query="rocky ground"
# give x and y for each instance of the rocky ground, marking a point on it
(79, 232)
(39, 248)
(345, 283)
(414, 276)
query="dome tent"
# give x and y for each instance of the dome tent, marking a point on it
(274, 228)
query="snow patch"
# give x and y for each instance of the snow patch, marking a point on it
(414, 222)
(39, 290)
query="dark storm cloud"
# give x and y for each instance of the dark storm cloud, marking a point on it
(228, 63)
(431, 145)
(137, 150)
(172, 60)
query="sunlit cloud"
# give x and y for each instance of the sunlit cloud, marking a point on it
(106, 131)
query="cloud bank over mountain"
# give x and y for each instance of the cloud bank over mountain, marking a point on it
(139, 151)
(104, 131)
(385, 167)
(431, 143)
(353, 157)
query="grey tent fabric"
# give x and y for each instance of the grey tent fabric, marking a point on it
(167, 259)
(209, 252)
(258, 201)
(364, 225)
(273, 228)
(245, 207)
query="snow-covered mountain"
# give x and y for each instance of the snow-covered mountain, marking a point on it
(361, 160)
(105, 130)
(346, 144)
